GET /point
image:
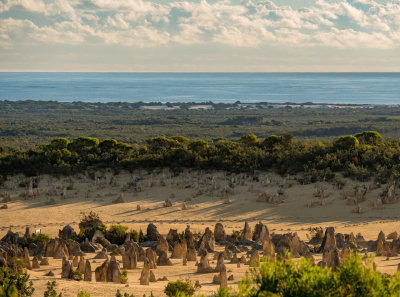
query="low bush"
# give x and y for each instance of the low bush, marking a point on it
(179, 288)
(15, 283)
(39, 237)
(116, 234)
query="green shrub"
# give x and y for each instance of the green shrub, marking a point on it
(369, 137)
(51, 292)
(15, 283)
(83, 293)
(179, 288)
(116, 234)
(123, 278)
(287, 278)
(119, 294)
(137, 236)
(77, 275)
(39, 237)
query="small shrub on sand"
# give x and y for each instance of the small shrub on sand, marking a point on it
(179, 288)
(83, 293)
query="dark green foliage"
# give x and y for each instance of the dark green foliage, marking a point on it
(89, 224)
(346, 143)
(15, 283)
(369, 137)
(39, 237)
(123, 278)
(287, 278)
(51, 292)
(119, 294)
(249, 140)
(116, 234)
(179, 288)
(319, 161)
(136, 236)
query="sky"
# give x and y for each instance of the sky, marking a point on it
(200, 35)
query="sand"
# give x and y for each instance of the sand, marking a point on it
(209, 199)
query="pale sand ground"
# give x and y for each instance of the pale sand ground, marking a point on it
(204, 210)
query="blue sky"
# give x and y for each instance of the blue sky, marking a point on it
(199, 35)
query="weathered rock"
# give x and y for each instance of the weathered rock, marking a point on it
(329, 240)
(152, 257)
(101, 255)
(167, 203)
(44, 262)
(120, 199)
(101, 272)
(113, 272)
(346, 251)
(145, 274)
(66, 269)
(61, 251)
(223, 277)
(393, 235)
(81, 265)
(381, 236)
(172, 236)
(11, 237)
(382, 248)
(234, 259)
(219, 232)
(220, 262)
(129, 257)
(88, 247)
(66, 233)
(163, 259)
(162, 245)
(246, 234)
(26, 258)
(261, 232)
(73, 248)
(152, 277)
(191, 254)
(35, 263)
(178, 250)
(331, 257)
(289, 242)
(204, 265)
(207, 241)
(87, 276)
(98, 237)
(152, 233)
(75, 261)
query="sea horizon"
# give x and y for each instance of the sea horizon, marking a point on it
(354, 88)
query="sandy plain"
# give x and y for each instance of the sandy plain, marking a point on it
(210, 197)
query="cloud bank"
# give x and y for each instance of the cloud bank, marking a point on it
(235, 24)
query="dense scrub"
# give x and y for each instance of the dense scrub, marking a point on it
(362, 156)
(287, 278)
(26, 124)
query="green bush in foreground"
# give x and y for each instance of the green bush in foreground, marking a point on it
(15, 283)
(288, 278)
(179, 288)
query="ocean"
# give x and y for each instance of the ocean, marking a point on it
(339, 88)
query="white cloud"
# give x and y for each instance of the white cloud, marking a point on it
(145, 23)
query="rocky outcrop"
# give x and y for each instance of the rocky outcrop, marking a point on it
(219, 232)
